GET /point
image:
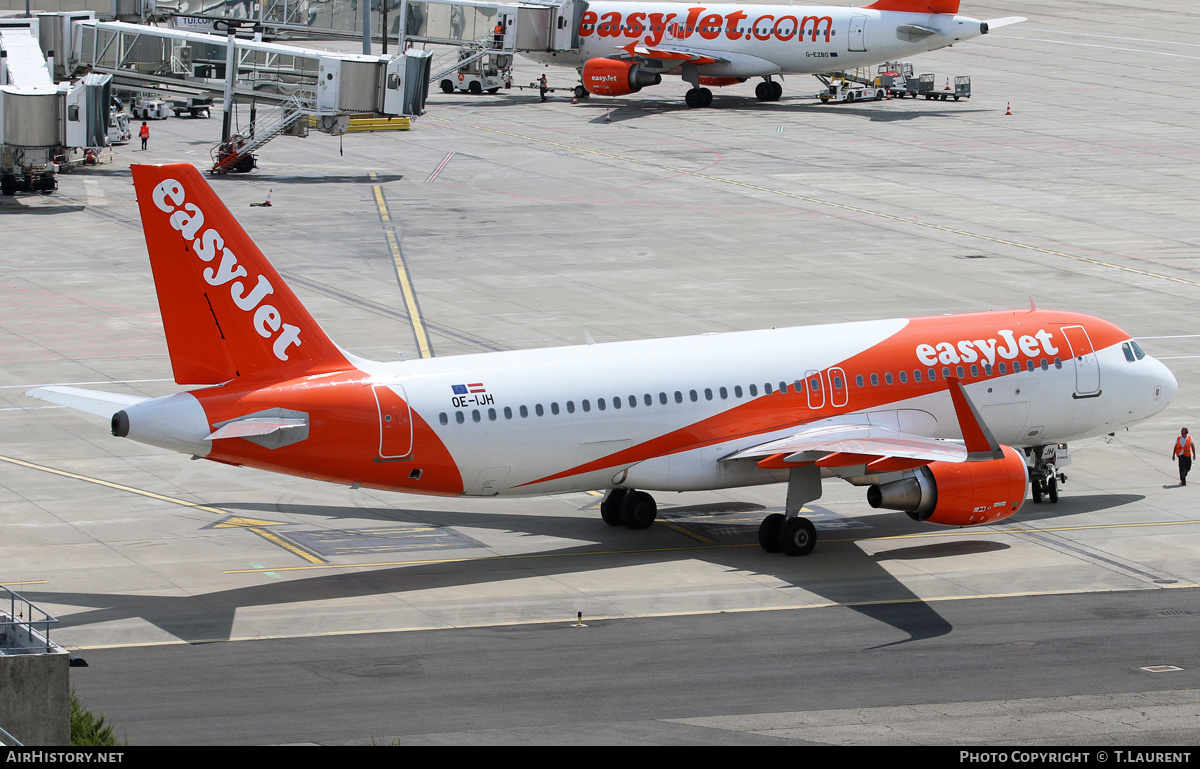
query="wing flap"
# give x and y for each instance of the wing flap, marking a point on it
(644, 53)
(864, 443)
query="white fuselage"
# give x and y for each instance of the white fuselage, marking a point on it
(661, 414)
(758, 40)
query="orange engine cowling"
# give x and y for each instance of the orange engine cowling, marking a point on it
(611, 77)
(958, 493)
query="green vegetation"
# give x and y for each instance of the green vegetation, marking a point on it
(88, 730)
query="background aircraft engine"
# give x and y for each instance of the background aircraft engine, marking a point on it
(957, 493)
(611, 77)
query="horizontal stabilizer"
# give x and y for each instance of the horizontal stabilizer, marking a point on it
(251, 426)
(997, 23)
(101, 404)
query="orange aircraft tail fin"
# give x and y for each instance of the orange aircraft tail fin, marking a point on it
(227, 313)
(915, 6)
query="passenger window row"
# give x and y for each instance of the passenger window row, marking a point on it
(959, 371)
(722, 393)
(631, 401)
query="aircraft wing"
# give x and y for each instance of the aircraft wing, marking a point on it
(850, 444)
(101, 404)
(669, 53)
(880, 449)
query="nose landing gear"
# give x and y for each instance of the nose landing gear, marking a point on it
(1044, 474)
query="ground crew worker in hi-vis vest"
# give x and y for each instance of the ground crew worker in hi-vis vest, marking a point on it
(1185, 451)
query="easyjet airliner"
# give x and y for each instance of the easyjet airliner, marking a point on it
(625, 46)
(946, 418)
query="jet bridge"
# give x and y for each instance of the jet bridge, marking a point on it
(296, 81)
(185, 63)
(529, 25)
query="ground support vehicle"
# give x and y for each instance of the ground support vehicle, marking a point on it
(846, 91)
(478, 71)
(149, 109)
(195, 107)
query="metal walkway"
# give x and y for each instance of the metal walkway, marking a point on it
(296, 82)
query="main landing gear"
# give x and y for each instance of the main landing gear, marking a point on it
(791, 536)
(698, 97)
(629, 508)
(768, 90)
(778, 533)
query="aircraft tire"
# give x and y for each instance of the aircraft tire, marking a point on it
(1052, 489)
(776, 90)
(692, 98)
(638, 510)
(610, 508)
(797, 536)
(768, 532)
(705, 97)
(1036, 488)
(763, 91)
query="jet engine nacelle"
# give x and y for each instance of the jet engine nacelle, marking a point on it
(612, 77)
(957, 493)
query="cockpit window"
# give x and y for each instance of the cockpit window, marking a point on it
(1137, 350)
(1125, 348)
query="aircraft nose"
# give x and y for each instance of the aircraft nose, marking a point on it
(1168, 383)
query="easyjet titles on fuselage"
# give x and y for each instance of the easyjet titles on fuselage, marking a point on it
(969, 351)
(708, 26)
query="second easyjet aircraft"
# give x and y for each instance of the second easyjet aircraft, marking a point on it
(625, 46)
(945, 418)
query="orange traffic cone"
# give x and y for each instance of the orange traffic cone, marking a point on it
(1008, 109)
(607, 118)
(574, 99)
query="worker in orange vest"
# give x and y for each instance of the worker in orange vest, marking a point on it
(1185, 452)
(144, 134)
(498, 35)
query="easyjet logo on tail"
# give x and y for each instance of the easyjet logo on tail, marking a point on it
(209, 247)
(1008, 347)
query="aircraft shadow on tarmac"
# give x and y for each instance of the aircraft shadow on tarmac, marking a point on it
(1070, 505)
(17, 205)
(608, 111)
(839, 571)
(620, 114)
(871, 590)
(264, 178)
